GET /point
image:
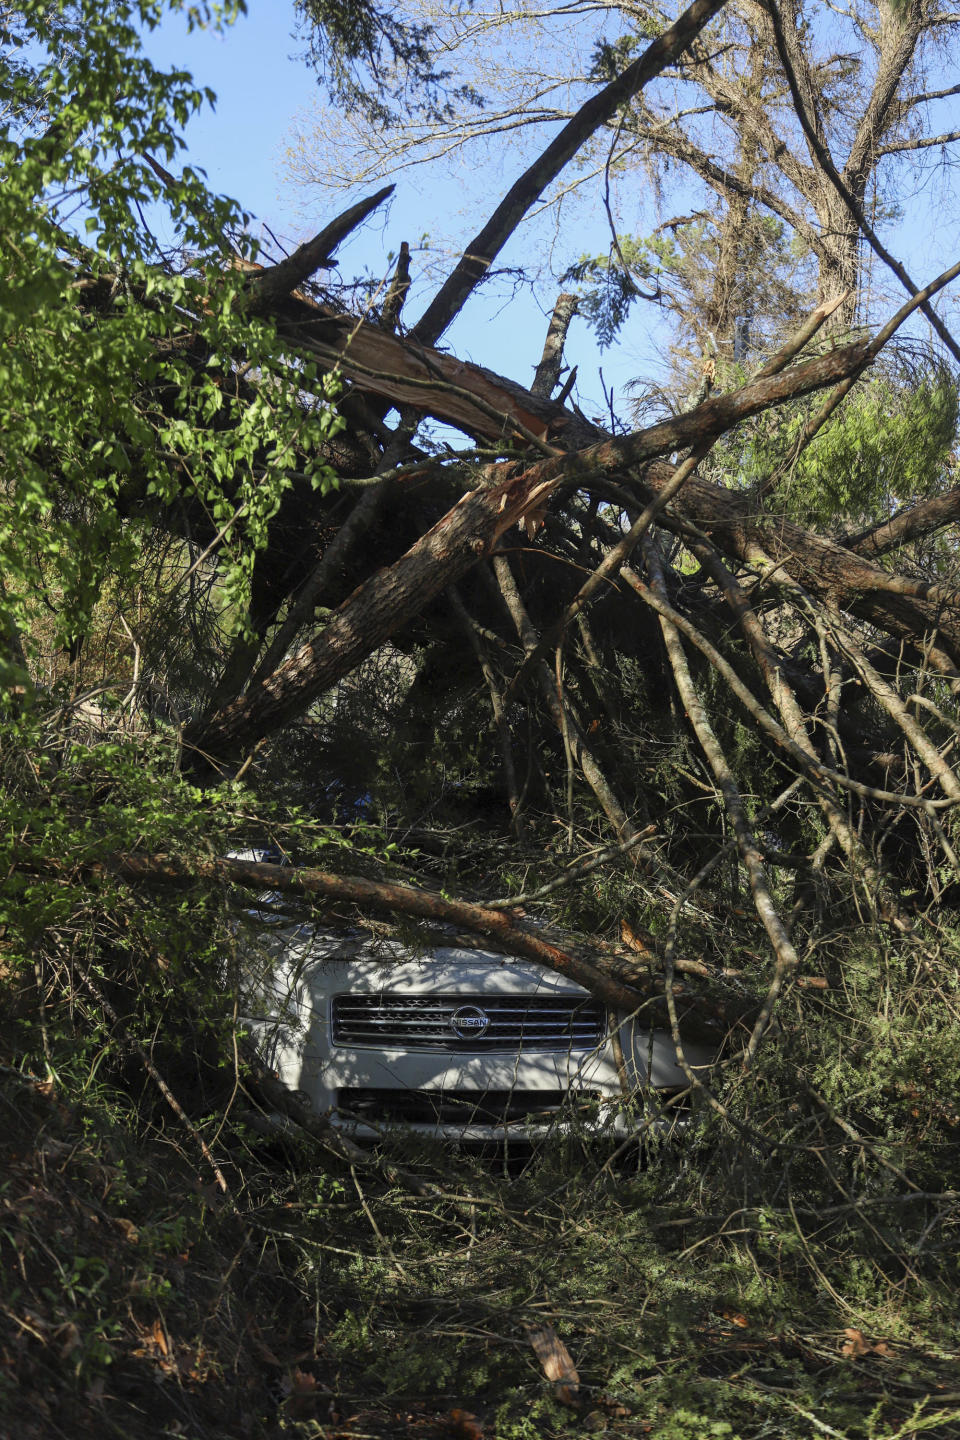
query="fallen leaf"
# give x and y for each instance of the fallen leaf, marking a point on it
(855, 1344)
(736, 1319)
(304, 1394)
(464, 1426)
(557, 1364)
(614, 1408)
(637, 941)
(159, 1338)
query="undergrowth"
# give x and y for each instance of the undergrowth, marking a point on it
(319, 1298)
(171, 1266)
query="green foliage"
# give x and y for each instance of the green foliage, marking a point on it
(607, 301)
(611, 57)
(888, 445)
(118, 374)
(368, 55)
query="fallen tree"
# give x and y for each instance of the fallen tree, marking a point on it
(668, 708)
(594, 588)
(613, 974)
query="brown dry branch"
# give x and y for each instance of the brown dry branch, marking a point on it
(795, 722)
(705, 1014)
(547, 378)
(399, 288)
(559, 707)
(271, 285)
(814, 768)
(496, 705)
(616, 556)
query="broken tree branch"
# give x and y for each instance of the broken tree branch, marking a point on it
(817, 318)
(559, 707)
(816, 771)
(397, 294)
(908, 524)
(270, 286)
(381, 897)
(547, 378)
(786, 958)
(398, 592)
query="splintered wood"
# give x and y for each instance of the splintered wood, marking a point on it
(557, 1364)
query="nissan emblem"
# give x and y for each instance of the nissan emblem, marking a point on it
(469, 1022)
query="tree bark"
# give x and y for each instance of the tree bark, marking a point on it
(548, 371)
(826, 570)
(921, 519)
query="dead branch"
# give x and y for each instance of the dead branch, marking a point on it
(786, 959)
(547, 378)
(496, 705)
(616, 556)
(742, 531)
(560, 709)
(270, 286)
(816, 771)
(703, 1016)
(397, 294)
(888, 697)
(795, 723)
(792, 347)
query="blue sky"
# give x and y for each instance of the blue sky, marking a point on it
(263, 89)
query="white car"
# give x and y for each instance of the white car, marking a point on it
(459, 1043)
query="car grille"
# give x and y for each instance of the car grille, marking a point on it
(426, 1022)
(461, 1107)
